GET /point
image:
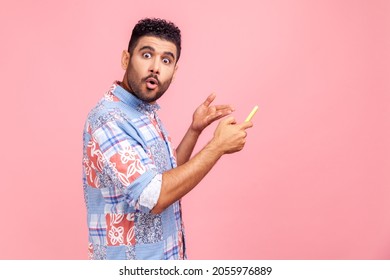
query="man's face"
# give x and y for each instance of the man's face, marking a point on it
(150, 69)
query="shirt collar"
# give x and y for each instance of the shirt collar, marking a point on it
(131, 100)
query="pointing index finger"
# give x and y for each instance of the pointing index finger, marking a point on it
(246, 125)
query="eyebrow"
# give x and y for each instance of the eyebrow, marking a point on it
(152, 49)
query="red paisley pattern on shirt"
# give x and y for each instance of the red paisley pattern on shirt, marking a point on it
(120, 229)
(93, 163)
(128, 165)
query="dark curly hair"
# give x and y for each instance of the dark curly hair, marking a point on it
(156, 27)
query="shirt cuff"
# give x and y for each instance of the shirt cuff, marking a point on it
(151, 193)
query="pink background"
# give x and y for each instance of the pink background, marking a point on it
(313, 180)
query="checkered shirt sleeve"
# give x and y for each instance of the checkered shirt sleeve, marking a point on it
(127, 167)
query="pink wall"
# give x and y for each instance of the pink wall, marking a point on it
(313, 181)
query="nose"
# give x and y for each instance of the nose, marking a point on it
(155, 66)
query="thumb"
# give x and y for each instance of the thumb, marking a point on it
(209, 99)
(229, 120)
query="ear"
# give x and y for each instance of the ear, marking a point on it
(125, 59)
(174, 72)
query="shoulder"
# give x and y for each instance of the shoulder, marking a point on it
(103, 113)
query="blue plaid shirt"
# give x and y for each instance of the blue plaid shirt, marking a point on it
(126, 149)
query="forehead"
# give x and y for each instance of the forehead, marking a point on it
(158, 44)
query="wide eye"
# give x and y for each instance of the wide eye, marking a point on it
(166, 60)
(147, 55)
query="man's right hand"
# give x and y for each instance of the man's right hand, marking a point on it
(229, 137)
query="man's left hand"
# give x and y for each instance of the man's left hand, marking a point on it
(206, 113)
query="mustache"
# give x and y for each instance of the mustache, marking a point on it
(152, 76)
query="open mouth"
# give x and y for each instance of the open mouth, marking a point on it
(151, 83)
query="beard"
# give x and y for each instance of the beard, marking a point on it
(139, 89)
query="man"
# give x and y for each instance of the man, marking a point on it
(133, 178)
